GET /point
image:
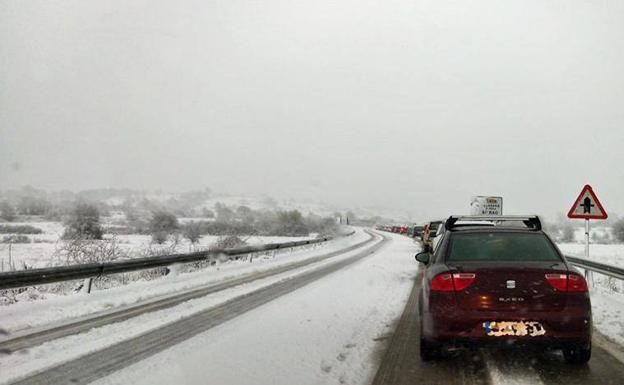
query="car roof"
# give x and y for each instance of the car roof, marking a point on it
(494, 229)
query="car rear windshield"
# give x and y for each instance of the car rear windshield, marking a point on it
(501, 247)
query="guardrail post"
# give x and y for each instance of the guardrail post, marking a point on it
(175, 269)
(87, 284)
(589, 277)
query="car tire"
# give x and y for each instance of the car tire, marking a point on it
(577, 355)
(429, 351)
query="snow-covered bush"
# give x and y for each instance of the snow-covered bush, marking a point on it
(80, 251)
(229, 242)
(162, 225)
(84, 222)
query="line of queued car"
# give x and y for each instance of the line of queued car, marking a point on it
(425, 233)
(501, 281)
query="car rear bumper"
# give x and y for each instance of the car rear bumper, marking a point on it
(518, 342)
(562, 328)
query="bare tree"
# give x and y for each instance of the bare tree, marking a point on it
(79, 250)
(192, 232)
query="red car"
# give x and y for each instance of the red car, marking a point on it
(504, 285)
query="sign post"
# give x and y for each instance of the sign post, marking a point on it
(587, 206)
(587, 239)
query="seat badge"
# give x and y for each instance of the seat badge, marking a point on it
(511, 284)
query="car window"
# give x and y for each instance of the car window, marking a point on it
(501, 247)
(439, 251)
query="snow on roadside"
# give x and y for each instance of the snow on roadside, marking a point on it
(610, 254)
(328, 332)
(607, 304)
(608, 313)
(24, 315)
(58, 351)
(40, 253)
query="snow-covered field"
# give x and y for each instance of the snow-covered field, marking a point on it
(41, 252)
(611, 254)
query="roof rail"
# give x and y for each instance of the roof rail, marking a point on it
(530, 221)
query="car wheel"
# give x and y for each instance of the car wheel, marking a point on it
(429, 351)
(577, 355)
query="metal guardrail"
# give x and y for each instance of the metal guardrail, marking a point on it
(33, 277)
(611, 271)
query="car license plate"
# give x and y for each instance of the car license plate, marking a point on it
(508, 328)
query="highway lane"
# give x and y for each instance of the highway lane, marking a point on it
(100, 363)
(31, 337)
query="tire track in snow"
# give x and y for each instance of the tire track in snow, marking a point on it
(505, 369)
(36, 336)
(100, 363)
(401, 364)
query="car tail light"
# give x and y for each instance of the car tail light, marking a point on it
(452, 282)
(576, 283)
(567, 282)
(442, 282)
(558, 281)
(463, 280)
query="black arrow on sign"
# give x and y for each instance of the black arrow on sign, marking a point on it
(587, 205)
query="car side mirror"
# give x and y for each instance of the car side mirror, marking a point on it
(423, 257)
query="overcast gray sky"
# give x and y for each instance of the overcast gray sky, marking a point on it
(410, 105)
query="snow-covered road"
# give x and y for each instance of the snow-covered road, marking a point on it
(335, 321)
(328, 332)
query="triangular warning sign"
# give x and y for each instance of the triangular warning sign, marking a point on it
(587, 206)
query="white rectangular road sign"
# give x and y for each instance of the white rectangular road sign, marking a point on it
(486, 205)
